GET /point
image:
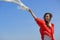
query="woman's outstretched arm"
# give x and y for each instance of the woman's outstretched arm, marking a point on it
(31, 12)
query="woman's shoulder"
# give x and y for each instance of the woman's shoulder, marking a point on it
(39, 19)
(52, 24)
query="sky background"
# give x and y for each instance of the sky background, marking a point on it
(17, 24)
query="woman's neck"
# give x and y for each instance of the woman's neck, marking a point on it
(48, 24)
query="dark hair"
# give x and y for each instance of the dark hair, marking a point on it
(49, 14)
(49, 20)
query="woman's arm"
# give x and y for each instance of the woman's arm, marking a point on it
(32, 14)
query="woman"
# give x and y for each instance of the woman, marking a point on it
(46, 28)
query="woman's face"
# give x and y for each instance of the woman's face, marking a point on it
(47, 18)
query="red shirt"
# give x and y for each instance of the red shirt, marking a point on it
(44, 30)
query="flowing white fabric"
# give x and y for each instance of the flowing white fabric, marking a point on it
(22, 6)
(47, 37)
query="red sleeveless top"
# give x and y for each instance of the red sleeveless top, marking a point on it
(44, 30)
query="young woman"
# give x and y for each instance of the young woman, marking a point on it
(46, 28)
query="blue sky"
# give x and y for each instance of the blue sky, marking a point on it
(17, 24)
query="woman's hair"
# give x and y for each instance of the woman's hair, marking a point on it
(49, 14)
(49, 20)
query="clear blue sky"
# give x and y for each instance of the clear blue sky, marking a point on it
(17, 24)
